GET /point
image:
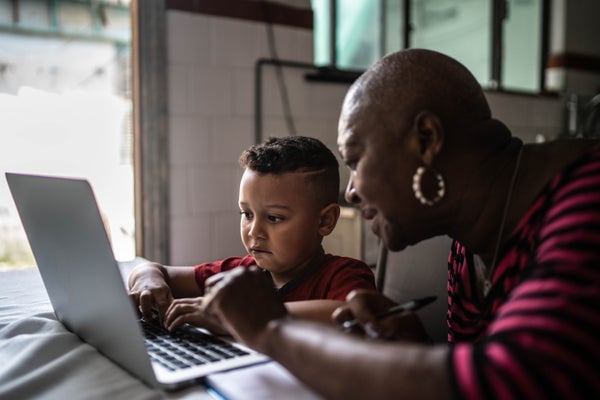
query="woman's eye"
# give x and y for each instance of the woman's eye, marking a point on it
(246, 214)
(351, 164)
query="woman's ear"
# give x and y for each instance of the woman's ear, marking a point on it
(328, 218)
(431, 135)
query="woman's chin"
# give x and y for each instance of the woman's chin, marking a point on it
(392, 241)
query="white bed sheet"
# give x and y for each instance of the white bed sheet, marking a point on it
(41, 359)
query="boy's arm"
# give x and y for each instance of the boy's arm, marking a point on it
(316, 310)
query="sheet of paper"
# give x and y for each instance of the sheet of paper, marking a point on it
(263, 381)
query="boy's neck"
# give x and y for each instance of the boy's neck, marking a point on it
(286, 286)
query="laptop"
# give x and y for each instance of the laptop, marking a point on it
(88, 294)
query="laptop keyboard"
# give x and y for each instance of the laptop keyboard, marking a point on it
(185, 347)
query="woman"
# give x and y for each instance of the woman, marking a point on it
(427, 159)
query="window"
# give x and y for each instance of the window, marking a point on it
(460, 29)
(522, 66)
(347, 33)
(500, 41)
(66, 109)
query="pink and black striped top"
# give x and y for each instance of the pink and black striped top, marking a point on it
(537, 335)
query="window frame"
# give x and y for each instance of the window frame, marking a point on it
(499, 14)
(151, 155)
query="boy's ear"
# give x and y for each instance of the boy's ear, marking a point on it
(328, 218)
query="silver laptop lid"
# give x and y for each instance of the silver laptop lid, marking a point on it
(83, 281)
(67, 237)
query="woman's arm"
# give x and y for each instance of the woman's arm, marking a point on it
(341, 366)
(333, 363)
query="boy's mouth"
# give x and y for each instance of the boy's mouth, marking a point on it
(258, 250)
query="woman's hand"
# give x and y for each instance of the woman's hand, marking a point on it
(245, 301)
(365, 305)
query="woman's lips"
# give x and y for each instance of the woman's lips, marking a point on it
(369, 213)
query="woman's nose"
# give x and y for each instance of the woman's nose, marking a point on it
(351, 195)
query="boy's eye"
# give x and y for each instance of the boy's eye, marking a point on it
(246, 214)
(275, 219)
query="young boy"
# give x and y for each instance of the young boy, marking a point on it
(288, 203)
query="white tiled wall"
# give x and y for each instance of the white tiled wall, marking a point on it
(211, 63)
(211, 120)
(528, 116)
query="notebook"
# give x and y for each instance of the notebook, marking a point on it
(265, 381)
(86, 289)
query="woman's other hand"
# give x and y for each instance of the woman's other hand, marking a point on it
(365, 306)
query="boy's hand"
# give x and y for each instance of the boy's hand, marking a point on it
(365, 305)
(191, 311)
(149, 290)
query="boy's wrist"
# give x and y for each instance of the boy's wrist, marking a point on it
(152, 269)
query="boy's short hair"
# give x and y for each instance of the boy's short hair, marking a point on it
(297, 154)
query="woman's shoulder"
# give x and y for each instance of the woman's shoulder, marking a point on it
(559, 154)
(581, 159)
(546, 165)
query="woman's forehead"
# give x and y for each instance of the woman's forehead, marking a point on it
(363, 137)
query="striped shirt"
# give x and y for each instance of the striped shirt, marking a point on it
(537, 334)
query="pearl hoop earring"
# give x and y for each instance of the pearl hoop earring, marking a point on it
(417, 187)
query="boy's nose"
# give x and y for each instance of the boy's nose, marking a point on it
(256, 229)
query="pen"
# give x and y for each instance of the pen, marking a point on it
(411, 305)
